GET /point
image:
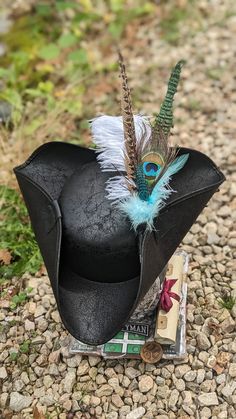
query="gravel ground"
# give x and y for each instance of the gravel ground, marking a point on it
(203, 385)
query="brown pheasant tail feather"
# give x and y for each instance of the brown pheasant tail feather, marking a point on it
(128, 123)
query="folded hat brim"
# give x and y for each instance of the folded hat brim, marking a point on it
(94, 312)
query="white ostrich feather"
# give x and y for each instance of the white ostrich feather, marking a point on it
(108, 136)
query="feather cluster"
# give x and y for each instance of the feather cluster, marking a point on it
(139, 154)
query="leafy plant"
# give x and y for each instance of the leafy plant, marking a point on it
(14, 356)
(25, 346)
(20, 298)
(18, 238)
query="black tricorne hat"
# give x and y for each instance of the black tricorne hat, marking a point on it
(102, 256)
(100, 269)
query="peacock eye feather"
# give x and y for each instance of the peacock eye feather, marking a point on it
(152, 165)
(151, 169)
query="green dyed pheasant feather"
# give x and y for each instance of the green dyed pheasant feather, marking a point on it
(164, 119)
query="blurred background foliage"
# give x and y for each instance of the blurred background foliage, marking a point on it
(48, 59)
(58, 68)
(46, 68)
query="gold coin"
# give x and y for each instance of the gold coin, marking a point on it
(151, 352)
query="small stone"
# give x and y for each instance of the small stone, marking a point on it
(180, 384)
(100, 379)
(54, 357)
(228, 325)
(132, 372)
(19, 402)
(112, 415)
(98, 410)
(3, 400)
(173, 398)
(224, 211)
(202, 341)
(31, 307)
(190, 376)
(136, 413)
(55, 316)
(228, 390)
(223, 358)
(69, 381)
(67, 405)
(18, 385)
(47, 400)
(24, 377)
(203, 356)
(42, 324)
(213, 238)
(200, 375)
(199, 319)
(223, 315)
(4, 355)
(187, 397)
(160, 381)
(211, 362)
(95, 401)
(104, 390)
(74, 361)
(42, 360)
(40, 310)
(47, 381)
(208, 399)
(187, 409)
(206, 386)
(205, 413)
(181, 370)
(220, 379)
(29, 325)
(145, 384)
(94, 360)
(3, 373)
(114, 383)
(83, 368)
(117, 400)
(218, 369)
(163, 391)
(232, 370)
(223, 415)
(125, 381)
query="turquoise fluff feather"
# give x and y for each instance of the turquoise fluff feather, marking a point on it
(140, 211)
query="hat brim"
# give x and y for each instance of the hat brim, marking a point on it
(94, 312)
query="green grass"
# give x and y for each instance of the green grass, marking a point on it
(171, 24)
(176, 17)
(227, 302)
(194, 105)
(18, 238)
(215, 73)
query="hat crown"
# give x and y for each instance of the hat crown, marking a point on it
(97, 241)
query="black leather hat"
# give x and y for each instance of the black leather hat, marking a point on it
(99, 267)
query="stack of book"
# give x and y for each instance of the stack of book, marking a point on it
(166, 328)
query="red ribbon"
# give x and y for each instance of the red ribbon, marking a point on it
(167, 294)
